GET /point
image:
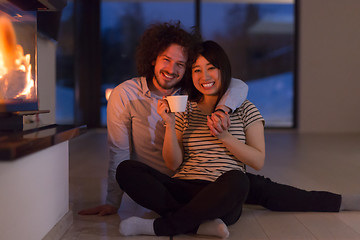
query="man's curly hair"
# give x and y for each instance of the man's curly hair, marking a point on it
(157, 38)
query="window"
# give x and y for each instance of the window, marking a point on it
(259, 40)
(122, 24)
(258, 37)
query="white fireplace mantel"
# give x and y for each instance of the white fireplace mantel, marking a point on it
(34, 195)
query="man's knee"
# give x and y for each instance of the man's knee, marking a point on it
(259, 183)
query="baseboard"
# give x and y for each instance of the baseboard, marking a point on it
(61, 227)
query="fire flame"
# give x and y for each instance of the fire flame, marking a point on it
(16, 81)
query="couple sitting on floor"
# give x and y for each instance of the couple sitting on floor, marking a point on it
(190, 167)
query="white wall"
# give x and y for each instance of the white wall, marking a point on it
(329, 66)
(34, 193)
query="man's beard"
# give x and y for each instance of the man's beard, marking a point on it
(167, 86)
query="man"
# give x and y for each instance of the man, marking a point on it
(135, 130)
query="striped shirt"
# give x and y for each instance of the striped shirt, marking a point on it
(205, 157)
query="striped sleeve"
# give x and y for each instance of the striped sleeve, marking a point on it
(250, 114)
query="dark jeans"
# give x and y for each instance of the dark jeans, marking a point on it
(280, 197)
(183, 204)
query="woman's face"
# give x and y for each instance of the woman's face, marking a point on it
(206, 77)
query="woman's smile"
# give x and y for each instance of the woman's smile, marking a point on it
(206, 77)
(207, 85)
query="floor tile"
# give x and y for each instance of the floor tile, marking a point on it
(309, 161)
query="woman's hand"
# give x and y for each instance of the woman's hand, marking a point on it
(172, 146)
(163, 110)
(218, 123)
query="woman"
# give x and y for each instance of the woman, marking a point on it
(210, 186)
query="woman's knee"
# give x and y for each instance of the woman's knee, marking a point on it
(125, 170)
(123, 166)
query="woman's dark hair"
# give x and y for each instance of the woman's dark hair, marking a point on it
(156, 39)
(216, 55)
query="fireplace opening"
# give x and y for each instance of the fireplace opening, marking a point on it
(18, 75)
(17, 80)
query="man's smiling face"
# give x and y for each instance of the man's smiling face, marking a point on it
(169, 67)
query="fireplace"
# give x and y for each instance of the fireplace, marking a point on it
(34, 162)
(20, 21)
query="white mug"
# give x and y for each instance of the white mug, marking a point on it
(177, 103)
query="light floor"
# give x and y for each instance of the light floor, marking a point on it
(311, 161)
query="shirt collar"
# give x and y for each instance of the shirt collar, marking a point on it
(144, 87)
